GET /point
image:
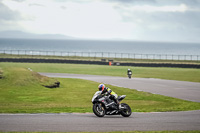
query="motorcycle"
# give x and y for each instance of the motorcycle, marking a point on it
(103, 105)
(129, 74)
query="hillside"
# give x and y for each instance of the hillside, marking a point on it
(25, 35)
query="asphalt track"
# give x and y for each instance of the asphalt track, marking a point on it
(187, 120)
(179, 89)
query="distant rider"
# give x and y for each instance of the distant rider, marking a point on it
(113, 95)
(129, 72)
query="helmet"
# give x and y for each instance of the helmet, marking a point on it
(129, 69)
(101, 87)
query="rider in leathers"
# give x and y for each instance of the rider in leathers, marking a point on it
(106, 90)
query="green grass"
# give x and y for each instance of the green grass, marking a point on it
(21, 91)
(181, 74)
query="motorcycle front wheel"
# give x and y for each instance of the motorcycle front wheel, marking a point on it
(126, 110)
(99, 110)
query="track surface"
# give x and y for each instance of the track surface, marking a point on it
(189, 120)
(179, 89)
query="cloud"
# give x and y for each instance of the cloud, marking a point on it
(10, 18)
(35, 4)
(162, 20)
(63, 7)
(125, 19)
(171, 26)
(158, 3)
(19, 0)
(133, 1)
(149, 8)
(8, 14)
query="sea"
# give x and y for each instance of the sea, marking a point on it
(118, 46)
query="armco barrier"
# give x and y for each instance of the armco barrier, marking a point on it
(161, 65)
(32, 60)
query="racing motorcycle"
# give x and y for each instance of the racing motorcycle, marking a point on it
(103, 105)
(129, 74)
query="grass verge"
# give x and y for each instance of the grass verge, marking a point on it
(21, 91)
(181, 74)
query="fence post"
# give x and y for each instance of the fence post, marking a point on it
(94, 54)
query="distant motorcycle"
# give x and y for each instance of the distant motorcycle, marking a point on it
(129, 73)
(103, 105)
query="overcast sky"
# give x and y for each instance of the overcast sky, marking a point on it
(145, 20)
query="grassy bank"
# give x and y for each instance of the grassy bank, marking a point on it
(182, 74)
(21, 91)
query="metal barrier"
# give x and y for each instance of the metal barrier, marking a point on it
(101, 55)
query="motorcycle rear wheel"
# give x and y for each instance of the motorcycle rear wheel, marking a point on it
(126, 112)
(99, 110)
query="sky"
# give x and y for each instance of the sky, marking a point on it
(140, 20)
